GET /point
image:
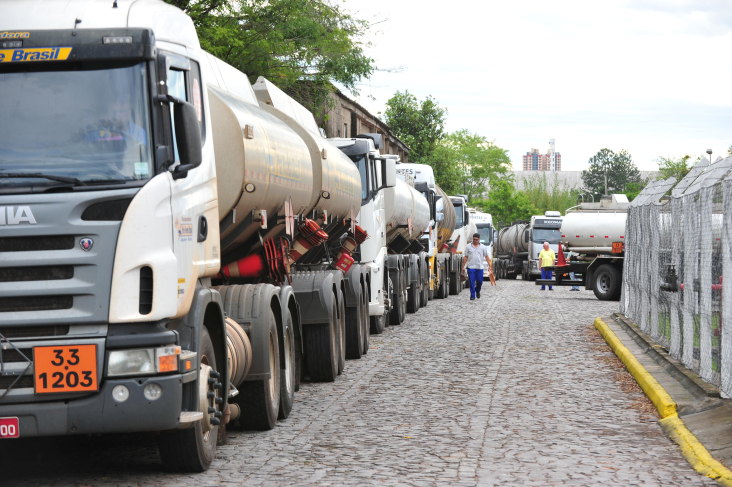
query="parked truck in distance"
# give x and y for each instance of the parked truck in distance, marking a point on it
(461, 237)
(436, 236)
(593, 234)
(484, 226)
(519, 244)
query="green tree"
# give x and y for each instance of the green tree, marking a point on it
(466, 163)
(546, 194)
(287, 42)
(505, 204)
(610, 173)
(420, 125)
(676, 168)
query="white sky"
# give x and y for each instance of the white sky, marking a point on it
(653, 77)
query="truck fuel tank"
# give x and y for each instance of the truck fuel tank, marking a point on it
(512, 239)
(406, 211)
(260, 163)
(593, 232)
(336, 181)
(445, 218)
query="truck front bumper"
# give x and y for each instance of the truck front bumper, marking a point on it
(101, 413)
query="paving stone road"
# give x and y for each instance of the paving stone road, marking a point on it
(514, 389)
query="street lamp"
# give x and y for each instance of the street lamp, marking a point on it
(709, 151)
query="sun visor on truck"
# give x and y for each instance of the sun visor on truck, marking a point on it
(26, 47)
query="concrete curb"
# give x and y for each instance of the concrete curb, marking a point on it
(692, 449)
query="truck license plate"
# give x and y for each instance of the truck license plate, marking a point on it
(9, 428)
(71, 368)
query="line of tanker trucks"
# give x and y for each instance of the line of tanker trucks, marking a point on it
(185, 268)
(592, 240)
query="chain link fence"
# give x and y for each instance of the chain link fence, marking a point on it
(678, 250)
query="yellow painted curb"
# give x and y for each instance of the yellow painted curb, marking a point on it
(694, 452)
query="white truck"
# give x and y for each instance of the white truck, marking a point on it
(594, 234)
(172, 265)
(438, 232)
(461, 237)
(542, 228)
(518, 245)
(393, 213)
(484, 226)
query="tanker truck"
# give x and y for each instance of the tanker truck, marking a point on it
(437, 234)
(542, 228)
(392, 213)
(171, 266)
(484, 226)
(511, 250)
(461, 236)
(407, 215)
(594, 236)
(518, 246)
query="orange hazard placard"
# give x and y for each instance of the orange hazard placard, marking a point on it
(71, 368)
(618, 248)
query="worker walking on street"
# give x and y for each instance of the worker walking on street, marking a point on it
(475, 252)
(546, 259)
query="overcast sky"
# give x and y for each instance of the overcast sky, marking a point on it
(653, 77)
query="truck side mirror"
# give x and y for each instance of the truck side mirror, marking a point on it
(388, 173)
(466, 216)
(187, 137)
(439, 216)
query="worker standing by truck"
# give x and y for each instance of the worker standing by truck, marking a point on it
(473, 263)
(546, 259)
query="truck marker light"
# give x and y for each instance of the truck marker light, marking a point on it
(167, 358)
(167, 363)
(117, 40)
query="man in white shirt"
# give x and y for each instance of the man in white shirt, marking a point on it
(475, 252)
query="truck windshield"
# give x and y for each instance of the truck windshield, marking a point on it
(459, 223)
(486, 234)
(541, 235)
(88, 126)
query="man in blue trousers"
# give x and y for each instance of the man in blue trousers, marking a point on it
(475, 252)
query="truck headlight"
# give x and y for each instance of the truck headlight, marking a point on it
(143, 361)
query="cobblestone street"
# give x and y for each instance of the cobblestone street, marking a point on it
(516, 388)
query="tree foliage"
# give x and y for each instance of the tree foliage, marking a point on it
(286, 41)
(610, 173)
(466, 163)
(420, 125)
(505, 204)
(676, 168)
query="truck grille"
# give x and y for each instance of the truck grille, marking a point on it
(58, 269)
(36, 243)
(50, 273)
(36, 303)
(34, 331)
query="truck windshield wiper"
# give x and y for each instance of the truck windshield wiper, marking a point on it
(25, 175)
